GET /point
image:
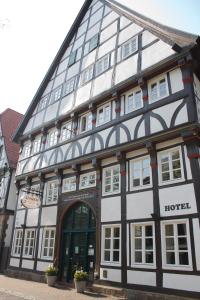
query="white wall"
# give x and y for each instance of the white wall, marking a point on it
(196, 232)
(139, 205)
(111, 209)
(181, 282)
(112, 275)
(14, 262)
(48, 216)
(140, 277)
(27, 264)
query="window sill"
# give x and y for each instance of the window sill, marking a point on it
(141, 188)
(143, 266)
(177, 268)
(171, 182)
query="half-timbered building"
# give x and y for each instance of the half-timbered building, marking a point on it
(110, 146)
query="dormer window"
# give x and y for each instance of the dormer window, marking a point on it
(72, 58)
(93, 43)
(69, 86)
(102, 64)
(129, 47)
(52, 138)
(158, 89)
(133, 100)
(86, 122)
(66, 131)
(87, 74)
(104, 114)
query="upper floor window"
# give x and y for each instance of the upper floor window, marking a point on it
(133, 101)
(48, 243)
(102, 64)
(86, 122)
(104, 114)
(17, 244)
(56, 94)
(52, 138)
(87, 180)
(87, 74)
(51, 192)
(129, 47)
(111, 244)
(72, 58)
(170, 165)
(140, 173)
(158, 89)
(111, 180)
(66, 131)
(69, 86)
(36, 145)
(29, 242)
(43, 103)
(69, 184)
(1, 187)
(93, 43)
(27, 150)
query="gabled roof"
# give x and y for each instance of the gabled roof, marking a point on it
(176, 38)
(10, 120)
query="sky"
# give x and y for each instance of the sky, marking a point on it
(35, 29)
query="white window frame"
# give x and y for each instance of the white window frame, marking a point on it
(171, 180)
(102, 65)
(27, 150)
(86, 116)
(143, 264)
(29, 245)
(56, 94)
(87, 74)
(128, 44)
(111, 168)
(67, 127)
(69, 86)
(48, 247)
(141, 186)
(176, 266)
(69, 184)
(81, 187)
(54, 193)
(111, 262)
(157, 82)
(43, 103)
(2, 188)
(104, 106)
(36, 145)
(133, 93)
(52, 138)
(17, 243)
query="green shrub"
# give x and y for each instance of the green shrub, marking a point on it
(81, 276)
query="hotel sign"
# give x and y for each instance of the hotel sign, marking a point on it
(31, 201)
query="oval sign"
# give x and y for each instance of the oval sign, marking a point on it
(30, 201)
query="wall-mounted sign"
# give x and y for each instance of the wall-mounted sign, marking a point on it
(180, 206)
(30, 201)
(80, 196)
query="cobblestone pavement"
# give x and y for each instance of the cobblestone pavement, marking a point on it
(17, 289)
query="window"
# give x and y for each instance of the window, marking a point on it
(103, 114)
(87, 74)
(36, 145)
(133, 101)
(102, 64)
(140, 173)
(69, 86)
(129, 47)
(93, 43)
(29, 242)
(143, 244)
(17, 246)
(56, 94)
(27, 150)
(176, 243)
(158, 89)
(86, 122)
(69, 184)
(43, 103)
(72, 58)
(66, 131)
(48, 243)
(170, 165)
(87, 180)
(52, 192)
(52, 138)
(111, 244)
(111, 180)
(1, 187)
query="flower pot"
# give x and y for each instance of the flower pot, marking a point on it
(51, 280)
(80, 286)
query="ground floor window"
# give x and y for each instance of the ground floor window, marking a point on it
(111, 243)
(17, 246)
(29, 242)
(48, 243)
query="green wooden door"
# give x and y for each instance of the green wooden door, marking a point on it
(78, 241)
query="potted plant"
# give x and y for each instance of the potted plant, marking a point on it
(80, 280)
(51, 275)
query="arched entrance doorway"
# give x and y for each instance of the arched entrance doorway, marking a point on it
(78, 241)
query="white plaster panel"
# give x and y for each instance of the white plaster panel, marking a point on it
(155, 125)
(38, 119)
(112, 140)
(79, 53)
(12, 197)
(32, 217)
(67, 52)
(83, 94)
(78, 43)
(107, 10)
(49, 215)
(196, 232)
(14, 262)
(86, 167)
(51, 112)
(128, 33)
(83, 142)
(141, 131)
(182, 116)
(20, 215)
(181, 282)
(131, 124)
(108, 161)
(141, 278)
(88, 60)
(107, 47)
(7, 239)
(147, 38)
(96, 17)
(48, 88)
(82, 29)
(109, 19)
(169, 143)
(96, 6)
(42, 266)
(73, 70)
(97, 145)
(139, 205)
(59, 80)
(29, 125)
(187, 162)
(136, 153)
(176, 80)
(40, 242)
(177, 195)
(123, 136)
(86, 16)
(27, 264)
(126, 69)
(124, 22)
(108, 32)
(111, 209)
(104, 134)
(93, 31)
(66, 104)
(112, 275)
(155, 53)
(102, 83)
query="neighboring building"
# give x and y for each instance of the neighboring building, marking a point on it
(111, 140)
(9, 154)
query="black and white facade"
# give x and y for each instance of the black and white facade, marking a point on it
(111, 141)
